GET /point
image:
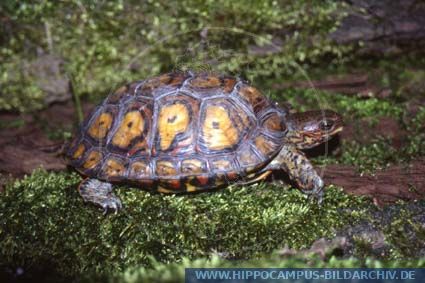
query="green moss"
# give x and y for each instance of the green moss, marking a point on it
(363, 247)
(370, 157)
(405, 233)
(379, 152)
(416, 137)
(43, 219)
(18, 88)
(107, 44)
(44, 223)
(352, 107)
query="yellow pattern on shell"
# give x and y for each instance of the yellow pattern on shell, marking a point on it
(131, 127)
(101, 126)
(92, 160)
(173, 120)
(190, 188)
(113, 168)
(191, 166)
(79, 151)
(218, 129)
(138, 169)
(165, 168)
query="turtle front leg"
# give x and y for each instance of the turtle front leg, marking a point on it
(300, 170)
(100, 194)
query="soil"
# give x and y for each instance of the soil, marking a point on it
(33, 144)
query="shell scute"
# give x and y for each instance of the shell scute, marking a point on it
(248, 158)
(100, 126)
(223, 125)
(166, 168)
(228, 84)
(205, 85)
(114, 168)
(193, 166)
(204, 82)
(175, 130)
(222, 164)
(267, 146)
(273, 123)
(92, 159)
(78, 153)
(162, 84)
(133, 130)
(122, 93)
(254, 98)
(139, 169)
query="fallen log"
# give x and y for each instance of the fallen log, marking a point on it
(384, 26)
(397, 182)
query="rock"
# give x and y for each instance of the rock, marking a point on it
(322, 247)
(50, 76)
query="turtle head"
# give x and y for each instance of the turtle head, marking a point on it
(311, 128)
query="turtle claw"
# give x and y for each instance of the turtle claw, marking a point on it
(316, 196)
(317, 192)
(111, 204)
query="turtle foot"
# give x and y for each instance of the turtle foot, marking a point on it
(317, 192)
(100, 194)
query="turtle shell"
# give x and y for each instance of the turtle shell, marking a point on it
(179, 132)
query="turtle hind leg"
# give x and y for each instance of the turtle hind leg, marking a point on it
(300, 170)
(100, 194)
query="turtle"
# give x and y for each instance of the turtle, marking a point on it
(190, 132)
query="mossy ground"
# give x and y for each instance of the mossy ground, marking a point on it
(43, 221)
(45, 225)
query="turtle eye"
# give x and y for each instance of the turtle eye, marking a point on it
(326, 125)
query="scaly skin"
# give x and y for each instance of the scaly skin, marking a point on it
(100, 194)
(299, 169)
(307, 129)
(311, 128)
